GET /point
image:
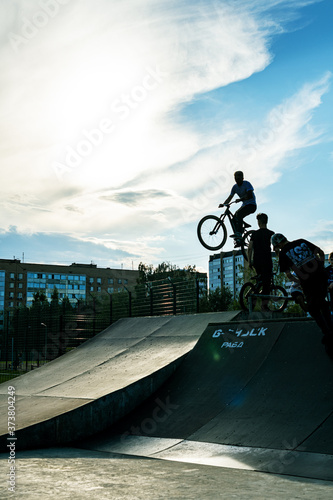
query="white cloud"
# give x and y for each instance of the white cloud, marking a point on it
(91, 113)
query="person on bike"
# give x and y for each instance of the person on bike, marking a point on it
(307, 261)
(245, 191)
(260, 255)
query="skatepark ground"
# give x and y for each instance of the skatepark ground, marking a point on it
(200, 406)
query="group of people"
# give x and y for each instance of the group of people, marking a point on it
(300, 260)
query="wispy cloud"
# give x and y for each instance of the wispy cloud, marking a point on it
(132, 198)
(102, 113)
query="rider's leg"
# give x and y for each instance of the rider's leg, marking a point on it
(265, 273)
(319, 310)
(240, 214)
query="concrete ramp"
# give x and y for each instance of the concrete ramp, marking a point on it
(256, 394)
(99, 382)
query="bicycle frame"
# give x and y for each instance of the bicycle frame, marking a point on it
(226, 214)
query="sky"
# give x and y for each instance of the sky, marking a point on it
(123, 121)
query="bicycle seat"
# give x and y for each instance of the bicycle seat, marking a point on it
(246, 224)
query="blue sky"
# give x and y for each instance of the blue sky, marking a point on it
(122, 124)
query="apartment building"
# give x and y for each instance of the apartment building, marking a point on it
(20, 281)
(226, 269)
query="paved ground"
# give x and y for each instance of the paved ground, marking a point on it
(77, 474)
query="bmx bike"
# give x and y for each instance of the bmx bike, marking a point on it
(212, 231)
(249, 295)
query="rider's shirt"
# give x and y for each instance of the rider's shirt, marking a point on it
(299, 255)
(242, 190)
(262, 255)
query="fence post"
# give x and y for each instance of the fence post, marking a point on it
(110, 295)
(174, 294)
(197, 292)
(6, 330)
(130, 304)
(151, 301)
(94, 316)
(12, 367)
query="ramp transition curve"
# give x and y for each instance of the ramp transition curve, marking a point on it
(96, 384)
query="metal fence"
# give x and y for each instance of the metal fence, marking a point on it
(32, 337)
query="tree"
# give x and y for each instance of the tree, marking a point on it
(164, 270)
(219, 299)
(39, 298)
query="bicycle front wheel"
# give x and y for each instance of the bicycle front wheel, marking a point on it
(246, 294)
(212, 233)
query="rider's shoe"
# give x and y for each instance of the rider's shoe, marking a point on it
(236, 235)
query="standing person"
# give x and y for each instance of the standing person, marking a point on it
(307, 261)
(260, 254)
(329, 272)
(245, 191)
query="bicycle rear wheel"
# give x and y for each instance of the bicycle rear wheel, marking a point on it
(212, 233)
(245, 295)
(277, 304)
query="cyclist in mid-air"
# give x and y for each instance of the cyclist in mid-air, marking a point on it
(245, 191)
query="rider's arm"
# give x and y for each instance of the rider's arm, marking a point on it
(228, 200)
(319, 254)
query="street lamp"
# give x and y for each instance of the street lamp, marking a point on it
(43, 324)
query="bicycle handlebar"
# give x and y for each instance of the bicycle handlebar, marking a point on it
(228, 204)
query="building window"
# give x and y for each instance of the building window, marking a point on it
(12, 276)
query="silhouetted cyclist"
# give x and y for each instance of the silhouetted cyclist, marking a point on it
(245, 191)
